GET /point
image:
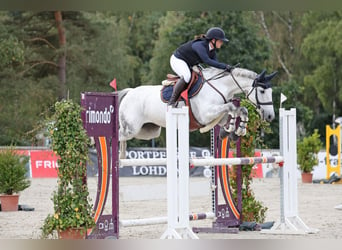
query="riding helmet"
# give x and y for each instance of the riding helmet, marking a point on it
(216, 33)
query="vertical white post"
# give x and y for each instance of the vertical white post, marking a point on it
(290, 222)
(177, 136)
(288, 150)
(183, 167)
(172, 163)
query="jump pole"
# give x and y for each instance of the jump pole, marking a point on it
(290, 222)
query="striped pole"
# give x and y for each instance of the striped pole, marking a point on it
(205, 161)
(163, 220)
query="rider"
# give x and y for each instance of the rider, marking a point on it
(200, 50)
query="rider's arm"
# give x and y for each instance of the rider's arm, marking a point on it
(200, 49)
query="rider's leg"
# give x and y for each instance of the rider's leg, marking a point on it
(182, 69)
(177, 90)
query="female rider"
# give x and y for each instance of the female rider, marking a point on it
(200, 50)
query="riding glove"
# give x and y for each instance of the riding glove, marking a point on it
(229, 68)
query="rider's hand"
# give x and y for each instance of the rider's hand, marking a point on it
(229, 68)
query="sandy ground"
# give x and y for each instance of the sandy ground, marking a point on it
(143, 197)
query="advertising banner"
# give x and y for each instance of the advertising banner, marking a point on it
(43, 164)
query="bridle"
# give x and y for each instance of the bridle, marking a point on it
(256, 84)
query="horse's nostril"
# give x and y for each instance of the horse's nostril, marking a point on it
(270, 118)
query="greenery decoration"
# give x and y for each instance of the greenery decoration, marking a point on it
(252, 209)
(13, 172)
(72, 206)
(307, 150)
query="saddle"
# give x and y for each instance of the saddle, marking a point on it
(194, 87)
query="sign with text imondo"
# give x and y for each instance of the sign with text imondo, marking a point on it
(99, 114)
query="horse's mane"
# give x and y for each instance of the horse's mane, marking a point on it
(238, 72)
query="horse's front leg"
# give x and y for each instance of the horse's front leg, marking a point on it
(233, 129)
(242, 112)
(228, 114)
(230, 126)
(231, 110)
(217, 114)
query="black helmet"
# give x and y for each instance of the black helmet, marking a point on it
(216, 33)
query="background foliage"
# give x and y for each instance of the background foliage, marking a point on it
(135, 46)
(307, 151)
(13, 172)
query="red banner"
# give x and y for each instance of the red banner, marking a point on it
(43, 164)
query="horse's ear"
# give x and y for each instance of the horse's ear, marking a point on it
(270, 76)
(261, 76)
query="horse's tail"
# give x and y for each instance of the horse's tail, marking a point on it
(122, 93)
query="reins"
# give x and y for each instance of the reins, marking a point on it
(215, 77)
(254, 85)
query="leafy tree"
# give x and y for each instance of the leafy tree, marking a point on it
(30, 51)
(25, 85)
(323, 50)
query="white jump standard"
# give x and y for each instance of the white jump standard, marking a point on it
(290, 222)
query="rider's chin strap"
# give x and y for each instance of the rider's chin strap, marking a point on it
(214, 44)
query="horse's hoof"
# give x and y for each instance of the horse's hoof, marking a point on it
(233, 136)
(241, 132)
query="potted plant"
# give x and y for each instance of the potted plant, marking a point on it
(307, 151)
(73, 210)
(12, 178)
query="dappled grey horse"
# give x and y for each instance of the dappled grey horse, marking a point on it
(142, 112)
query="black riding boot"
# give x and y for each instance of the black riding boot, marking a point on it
(177, 90)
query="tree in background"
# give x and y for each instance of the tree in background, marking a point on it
(27, 88)
(39, 65)
(322, 50)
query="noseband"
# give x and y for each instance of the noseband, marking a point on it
(255, 84)
(262, 85)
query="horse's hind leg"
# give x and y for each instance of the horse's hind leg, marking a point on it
(149, 131)
(122, 150)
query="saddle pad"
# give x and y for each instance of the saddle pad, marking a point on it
(166, 91)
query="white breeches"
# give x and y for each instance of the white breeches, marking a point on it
(180, 68)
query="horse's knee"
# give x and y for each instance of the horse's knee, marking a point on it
(231, 108)
(243, 111)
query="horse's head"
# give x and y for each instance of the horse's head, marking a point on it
(261, 95)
